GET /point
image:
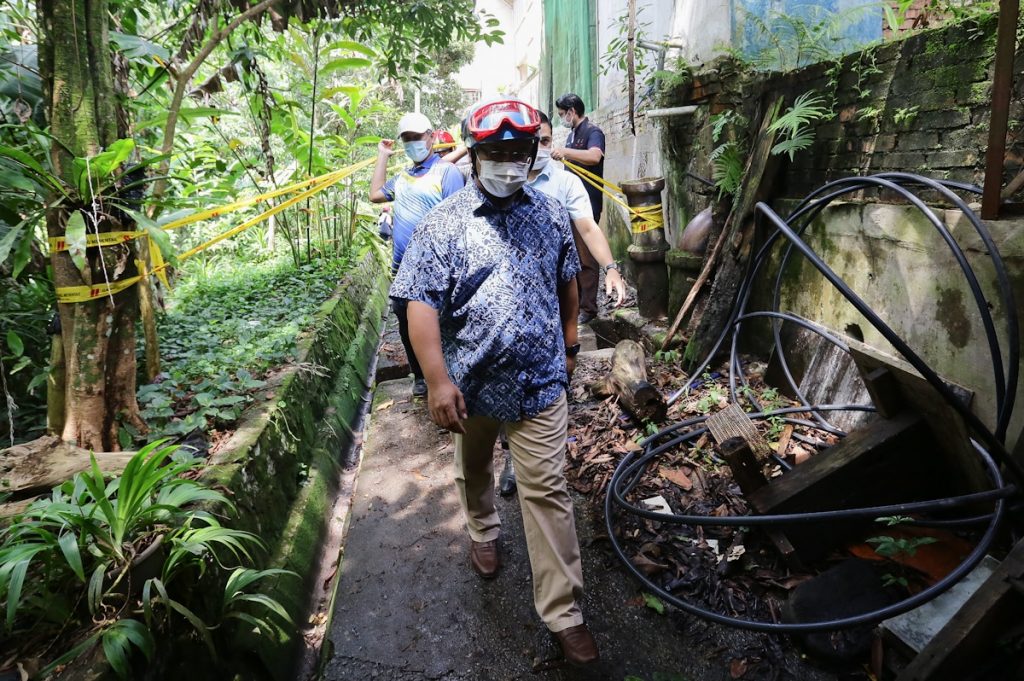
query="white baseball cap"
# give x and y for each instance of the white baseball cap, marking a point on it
(414, 122)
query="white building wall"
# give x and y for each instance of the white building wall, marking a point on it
(527, 39)
(493, 69)
(700, 26)
(509, 68)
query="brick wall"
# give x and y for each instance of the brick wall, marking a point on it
(921, 104)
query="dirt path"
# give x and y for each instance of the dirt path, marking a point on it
(410, 608)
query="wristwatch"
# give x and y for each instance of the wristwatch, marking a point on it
(572, 350)
(610, 266)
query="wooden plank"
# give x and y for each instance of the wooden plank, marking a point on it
(961, 462)
(824, 372)
(885, 392)
(747, 471)
(733, 422)
(813, 485)
(975, 628)
(879, 463)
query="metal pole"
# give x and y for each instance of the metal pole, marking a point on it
(1002, 83)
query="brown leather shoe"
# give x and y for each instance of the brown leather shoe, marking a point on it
(578, 645)
(483, 556)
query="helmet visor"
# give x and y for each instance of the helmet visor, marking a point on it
(489, 118)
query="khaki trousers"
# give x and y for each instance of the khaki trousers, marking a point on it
(538, 455)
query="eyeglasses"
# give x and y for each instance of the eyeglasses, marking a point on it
(489, 118)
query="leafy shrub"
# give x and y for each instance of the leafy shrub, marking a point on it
(25, 310)
(71, 562)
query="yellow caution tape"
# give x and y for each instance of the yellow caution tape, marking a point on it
(59, 243)
(80, 294)
(277, 209)
(642, 218)
(245, 203)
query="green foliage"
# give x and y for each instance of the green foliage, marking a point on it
(937, 12)
(25, 311)
(667, 356)
(727, 163)
(904, 116)
(793, 127)
(69, 559)
(895, 16)
(727, 167)
(228, 324)
(869, 113)
(711, 399)
(654, 603)
(891, 547)
(786, 40)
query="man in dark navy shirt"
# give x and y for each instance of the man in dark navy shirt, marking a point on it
(584, 147)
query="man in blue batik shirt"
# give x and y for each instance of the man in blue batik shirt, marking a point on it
(490, 280)
(414, 192)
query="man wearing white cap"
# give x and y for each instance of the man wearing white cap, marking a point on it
(414, 192)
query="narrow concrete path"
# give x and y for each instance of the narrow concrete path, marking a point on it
(409, 608)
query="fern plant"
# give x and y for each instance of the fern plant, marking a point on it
(794, 126)
(727, 168)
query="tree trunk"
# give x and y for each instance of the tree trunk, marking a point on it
(628, 381)
(99, 335)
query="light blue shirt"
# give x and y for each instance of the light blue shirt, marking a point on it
(415, 191)
(566, 188)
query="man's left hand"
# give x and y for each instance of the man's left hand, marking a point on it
(613, 283)
(570, 366)
(558, 153)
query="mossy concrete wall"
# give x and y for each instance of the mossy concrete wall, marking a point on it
(895, 260)
(281, 466)
(920, 104)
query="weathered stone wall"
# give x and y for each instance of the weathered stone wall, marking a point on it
(920, 105)
(281, 466)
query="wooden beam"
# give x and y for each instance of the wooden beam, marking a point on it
(1002, 84)
(954, 452)
(880, 463)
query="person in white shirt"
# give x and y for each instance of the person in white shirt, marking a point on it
(551, 177)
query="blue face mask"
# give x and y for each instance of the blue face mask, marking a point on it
(417, 151)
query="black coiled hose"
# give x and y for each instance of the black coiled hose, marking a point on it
(991, 450)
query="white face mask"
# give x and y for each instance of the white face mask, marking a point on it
(566, 120)
(503, 179)
(417, 150)
(543, 156)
